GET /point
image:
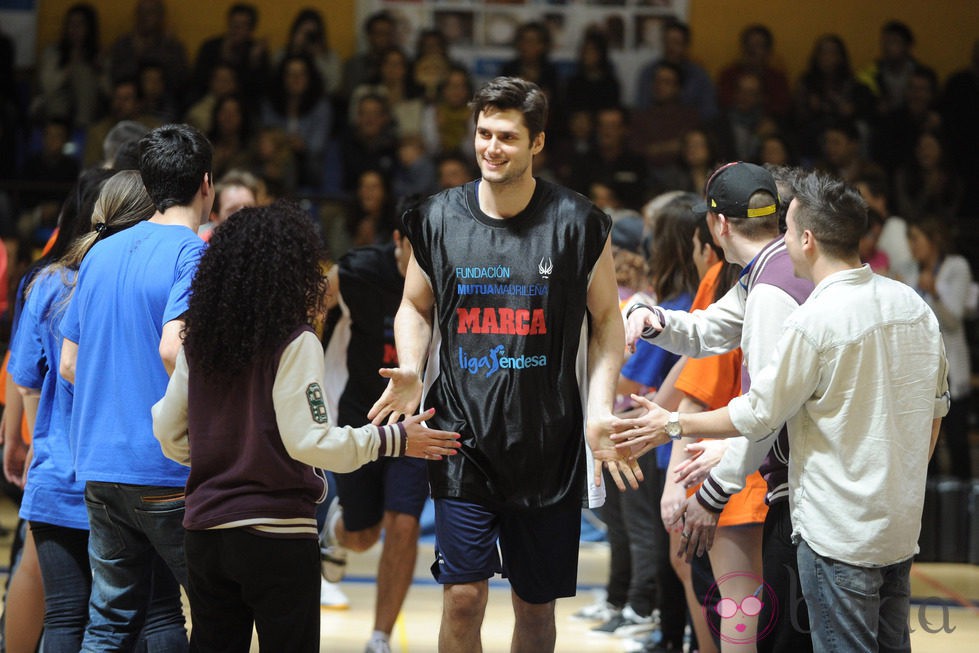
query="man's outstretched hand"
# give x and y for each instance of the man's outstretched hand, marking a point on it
(400, 398)
(620, 461)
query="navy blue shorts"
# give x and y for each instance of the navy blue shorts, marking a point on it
(539, 548)
(395, 484)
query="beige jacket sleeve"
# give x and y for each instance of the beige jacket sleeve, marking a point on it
(300, 412)
(170, 415)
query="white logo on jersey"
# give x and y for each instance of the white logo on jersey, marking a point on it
(545, 267)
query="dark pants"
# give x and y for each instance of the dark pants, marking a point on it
(671, 598)
(620, 559)
(647, 537)
(790, 628)
(955, 433)
(62, 554)
(238, 579)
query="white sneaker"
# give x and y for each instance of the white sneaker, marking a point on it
(632, 624)
(377, 645)
(333, 557)
(599, 610)
(332, 597)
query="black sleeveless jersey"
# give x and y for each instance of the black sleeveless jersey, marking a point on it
(507, 362)
(363, 338)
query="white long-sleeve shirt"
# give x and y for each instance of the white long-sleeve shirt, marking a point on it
(860, 373)
(750, 315)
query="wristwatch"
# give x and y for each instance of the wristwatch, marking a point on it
(673, 428)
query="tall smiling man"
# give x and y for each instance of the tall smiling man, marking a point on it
(509, 327)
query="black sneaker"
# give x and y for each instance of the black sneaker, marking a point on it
(609, 627)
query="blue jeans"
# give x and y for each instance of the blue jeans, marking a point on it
(856, 609)
(63, 556)
(137, 556)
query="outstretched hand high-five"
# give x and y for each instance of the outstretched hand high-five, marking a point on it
(431, 444)
(401, 397)
(620, 462)
(638, 435)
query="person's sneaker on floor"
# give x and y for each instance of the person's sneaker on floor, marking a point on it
(332, 597)
(633, 624)
(610, 625)
(333, 557)
(651, 642)
(378, 644)
(599, 610)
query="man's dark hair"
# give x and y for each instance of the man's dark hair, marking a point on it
(535, 26)
(760, 29)
(833, 211)
(378, 17)
(127, 157)
(900, 29)
(504, 93)
(244, 8)
(785, 178)
(875, 179)
(173, 160)
(845, 126)
(679, 26)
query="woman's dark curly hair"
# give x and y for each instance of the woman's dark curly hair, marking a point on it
(259, 279)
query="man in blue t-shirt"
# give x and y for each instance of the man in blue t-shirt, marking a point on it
(121, 338)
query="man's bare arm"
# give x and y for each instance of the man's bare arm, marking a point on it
(170, 343)
(606, 346)
(69, 358)
(412, 335)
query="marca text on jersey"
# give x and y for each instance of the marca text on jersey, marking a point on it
(520, 321)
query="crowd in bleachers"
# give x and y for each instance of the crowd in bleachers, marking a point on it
(307, 122)
(391, 122)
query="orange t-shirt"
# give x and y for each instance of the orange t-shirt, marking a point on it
(714, 381)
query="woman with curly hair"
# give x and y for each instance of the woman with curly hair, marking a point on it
(54, 502)
(245, 410)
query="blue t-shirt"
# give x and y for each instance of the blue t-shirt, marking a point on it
(129, 286)
(650, 364)
(52, 494)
